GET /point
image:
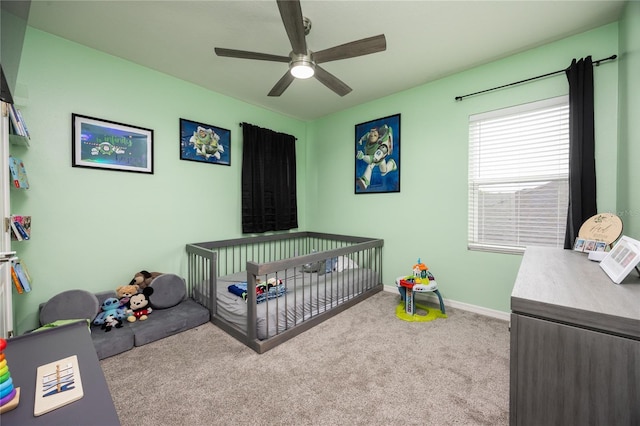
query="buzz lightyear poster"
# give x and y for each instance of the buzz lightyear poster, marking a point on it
(204, 143)
(378, 155)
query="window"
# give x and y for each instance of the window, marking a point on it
(519, 176)
(269, 194)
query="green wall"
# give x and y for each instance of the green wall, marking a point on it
(94, 229)
(629, 154)
(428, 218)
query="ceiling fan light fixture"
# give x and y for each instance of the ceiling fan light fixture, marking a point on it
(301, 60)
(302, 68)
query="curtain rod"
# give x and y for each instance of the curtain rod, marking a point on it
(596, 63)
(240, 124)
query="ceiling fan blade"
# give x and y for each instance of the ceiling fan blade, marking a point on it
(282, 84)
(243, 54)
(291, 14)
(331, 81)
(361, 47)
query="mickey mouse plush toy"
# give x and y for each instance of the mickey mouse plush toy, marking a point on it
(139, 305)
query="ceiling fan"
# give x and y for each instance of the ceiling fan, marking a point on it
(303, 63)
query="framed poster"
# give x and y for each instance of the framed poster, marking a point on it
(377, 149)
(624, 257)
(104, 144)
(204, 143)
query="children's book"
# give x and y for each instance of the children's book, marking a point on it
(16, 281)
(22, 123)
(18, 173)
(23, 224)
(25, 270)
(15, 235)
(21, 227)
(14, 120)
(23, 232)
(24, 281)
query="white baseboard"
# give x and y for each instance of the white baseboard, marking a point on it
(505, 316)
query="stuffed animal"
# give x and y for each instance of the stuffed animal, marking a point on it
(262, 288)
(124, 293)
(143, 278)
(109, 322)
(139, 305)
(272, 282)
(110, 306)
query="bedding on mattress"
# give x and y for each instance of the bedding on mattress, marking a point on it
(307, 295)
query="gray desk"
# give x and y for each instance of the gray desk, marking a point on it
(26, 353)
(575, 343)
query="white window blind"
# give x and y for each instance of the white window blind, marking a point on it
(518, 176)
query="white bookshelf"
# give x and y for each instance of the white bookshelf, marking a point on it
(6, 292)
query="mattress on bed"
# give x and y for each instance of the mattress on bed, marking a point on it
(308, 294)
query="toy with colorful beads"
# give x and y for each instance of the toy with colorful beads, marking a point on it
(9, 395)
(421, 281)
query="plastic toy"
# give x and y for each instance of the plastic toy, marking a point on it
(9, 395)
(421, 281)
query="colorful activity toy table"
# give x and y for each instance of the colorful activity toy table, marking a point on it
(408, 287)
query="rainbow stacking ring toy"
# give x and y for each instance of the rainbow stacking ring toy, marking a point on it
(9, 395)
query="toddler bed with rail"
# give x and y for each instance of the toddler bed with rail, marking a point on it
(301, 279)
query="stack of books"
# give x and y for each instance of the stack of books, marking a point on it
(20, 277)
(16, 122)
(21, 227)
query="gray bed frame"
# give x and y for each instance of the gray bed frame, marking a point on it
(269, 255)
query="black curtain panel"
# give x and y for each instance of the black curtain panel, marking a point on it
(269, 200)
(582, 163)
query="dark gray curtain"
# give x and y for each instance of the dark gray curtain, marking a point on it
(268, 180)
(582, 163)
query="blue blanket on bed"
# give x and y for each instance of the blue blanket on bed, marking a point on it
(263, 292)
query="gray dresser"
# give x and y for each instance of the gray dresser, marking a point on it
(575, 343)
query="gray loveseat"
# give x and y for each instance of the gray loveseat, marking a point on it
(173, 312)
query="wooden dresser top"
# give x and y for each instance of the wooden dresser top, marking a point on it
(565, 286)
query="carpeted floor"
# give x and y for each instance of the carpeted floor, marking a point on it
(361, 367)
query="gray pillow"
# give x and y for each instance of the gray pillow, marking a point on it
(70, 304)
(168, 291)
(319, 267)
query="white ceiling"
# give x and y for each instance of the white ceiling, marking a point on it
(426, 40)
